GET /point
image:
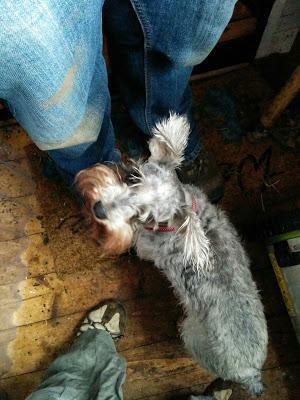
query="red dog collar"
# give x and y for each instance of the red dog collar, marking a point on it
(169, 228)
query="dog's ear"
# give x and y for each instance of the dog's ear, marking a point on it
(196, 246)
(113, 240)
(169, 140)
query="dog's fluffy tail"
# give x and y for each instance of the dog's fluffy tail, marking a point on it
(196, 246)
(169, 141)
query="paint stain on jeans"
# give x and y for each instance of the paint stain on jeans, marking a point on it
(64, 89)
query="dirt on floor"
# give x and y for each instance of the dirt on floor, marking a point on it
(261, 168)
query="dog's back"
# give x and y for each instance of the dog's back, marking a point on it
(225, 328)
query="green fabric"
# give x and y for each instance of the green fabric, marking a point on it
(91, 370)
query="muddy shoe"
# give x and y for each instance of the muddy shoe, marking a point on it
(110, 316)
(217, 390)
(204, 173)
(225, 390)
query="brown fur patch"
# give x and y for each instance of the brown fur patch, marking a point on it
(89, 183)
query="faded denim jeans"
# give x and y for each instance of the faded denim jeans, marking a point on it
(91, 370)
(53, 75)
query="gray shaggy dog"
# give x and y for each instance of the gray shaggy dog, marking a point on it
(193, 243)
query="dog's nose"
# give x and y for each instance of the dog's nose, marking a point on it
(99, 210)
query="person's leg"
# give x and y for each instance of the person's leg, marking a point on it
(154, 45)
(151, 83)
(92, 369)
(54, 80)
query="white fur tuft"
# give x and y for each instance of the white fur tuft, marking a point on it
(196, 246)
(169, 141)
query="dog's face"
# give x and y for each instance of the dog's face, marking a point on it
(152, 195)
(107, 205)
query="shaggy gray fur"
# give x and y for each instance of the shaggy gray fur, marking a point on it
(225, 328)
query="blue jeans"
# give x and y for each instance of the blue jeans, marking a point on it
(53, 75)
(91, 370)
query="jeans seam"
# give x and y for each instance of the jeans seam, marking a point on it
(146, 32)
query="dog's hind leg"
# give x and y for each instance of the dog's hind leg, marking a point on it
(254, 385)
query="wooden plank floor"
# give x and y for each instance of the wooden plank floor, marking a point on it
(51, 273)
